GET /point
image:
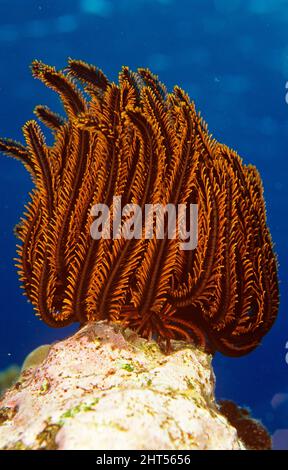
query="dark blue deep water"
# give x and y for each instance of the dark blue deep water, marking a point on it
(231, 56)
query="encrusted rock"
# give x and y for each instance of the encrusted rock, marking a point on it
(106, 388)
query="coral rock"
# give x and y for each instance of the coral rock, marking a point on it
(106, 388)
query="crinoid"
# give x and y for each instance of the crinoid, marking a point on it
(139, 143)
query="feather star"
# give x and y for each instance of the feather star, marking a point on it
(137, 141)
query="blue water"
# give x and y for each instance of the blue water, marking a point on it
(231, 56)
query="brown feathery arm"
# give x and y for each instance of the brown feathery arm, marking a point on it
(20, 152)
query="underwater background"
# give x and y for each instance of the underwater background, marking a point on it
(231, 56)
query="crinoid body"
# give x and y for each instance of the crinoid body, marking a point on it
(138, 142)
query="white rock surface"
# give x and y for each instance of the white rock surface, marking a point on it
(106, 388)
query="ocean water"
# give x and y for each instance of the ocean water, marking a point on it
(231, 56)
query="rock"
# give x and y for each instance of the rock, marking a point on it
(8, 376)
(106, 388)
(36, 357)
